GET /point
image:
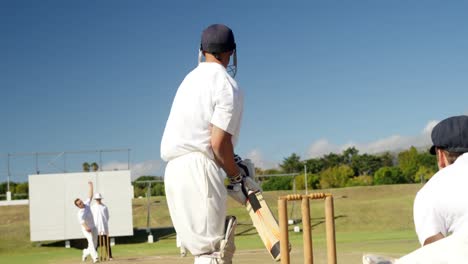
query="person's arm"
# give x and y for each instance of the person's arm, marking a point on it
(223, 150)
(428, 219)
(433, 239)
(91, 190)
(86, 227)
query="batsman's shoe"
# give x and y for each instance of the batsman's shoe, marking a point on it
(183, 251)
(376, 259)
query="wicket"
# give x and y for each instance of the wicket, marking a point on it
(104, 244)
(307, 234)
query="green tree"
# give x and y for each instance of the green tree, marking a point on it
(349, 154)
(139, 190)
(22, 188)
(314, 165)
(387, 159)
(362, 180)
(336, 176)
(389, 175)
(332, 160)
(267, 172)
(94, 166)
(158, 189)
(258, 171)
(86, 166)
(146, 178)
(424, 174)
(292, 164)
(408, 162)
(271, 171)
(366, 164)
(428, 160)
(313, 181)
(277, 183)
(300, 182)
(3, 187)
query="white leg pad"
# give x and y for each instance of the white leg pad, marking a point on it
(227, 246)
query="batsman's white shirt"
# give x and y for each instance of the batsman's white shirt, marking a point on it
(208, 95)
(194, 183)
(442, 204)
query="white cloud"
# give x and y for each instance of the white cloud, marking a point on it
(321, 147)
(149, 167)
(316, 149)
(430, 125)
(391, 143)
(257, 158)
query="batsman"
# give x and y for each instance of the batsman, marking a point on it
(198, 144)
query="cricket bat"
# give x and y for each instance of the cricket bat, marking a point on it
(265, 223)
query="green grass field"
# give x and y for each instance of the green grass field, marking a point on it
(368, 219)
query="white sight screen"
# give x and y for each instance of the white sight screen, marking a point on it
(53, 216)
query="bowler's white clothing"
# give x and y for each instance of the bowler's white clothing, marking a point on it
(442, 204)
(207, 96)
(101, 218)
(91, 237)
(196, 197)
(85, 216)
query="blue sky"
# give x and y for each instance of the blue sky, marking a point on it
(318, 75)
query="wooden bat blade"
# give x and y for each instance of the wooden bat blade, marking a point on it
(265, 223)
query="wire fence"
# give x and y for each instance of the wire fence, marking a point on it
(15, 167)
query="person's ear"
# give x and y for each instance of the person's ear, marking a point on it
(441, 158)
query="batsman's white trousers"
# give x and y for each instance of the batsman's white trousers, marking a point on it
(92, 243)
(452, 249)
(196, 197)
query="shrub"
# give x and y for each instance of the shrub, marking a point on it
(336, 176)
(389, 175)
(277, 183)
(313, 181)
(363, 180)
(423, 174)
(158, 189)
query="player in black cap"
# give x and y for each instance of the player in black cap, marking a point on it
(198, 144)
(217, 45)
(441, 206)
(450, 139)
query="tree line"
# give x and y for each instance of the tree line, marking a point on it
(19, 190)
(350, 168)
(155, 183)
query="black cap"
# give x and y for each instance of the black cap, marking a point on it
(217, 38)
(451, 134)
